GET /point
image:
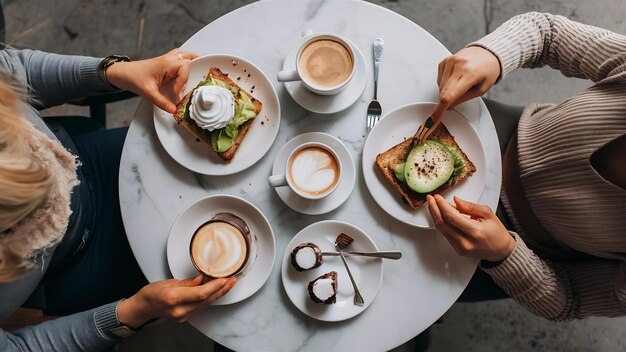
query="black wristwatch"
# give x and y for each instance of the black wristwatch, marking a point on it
(108, 62)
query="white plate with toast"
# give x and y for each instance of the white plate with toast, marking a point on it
(397, 126)
(367, 272)
(262, 244)
(198, 156)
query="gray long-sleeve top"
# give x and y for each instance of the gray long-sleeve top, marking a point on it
(52, 79)
(579, 208)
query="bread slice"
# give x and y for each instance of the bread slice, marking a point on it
(397, 154)
(203, 135)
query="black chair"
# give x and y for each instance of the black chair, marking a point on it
(97, 103)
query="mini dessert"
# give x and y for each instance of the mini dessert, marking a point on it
(416, 170)
(306, 256)
(324, 289)
(221, 246)
(218, 112)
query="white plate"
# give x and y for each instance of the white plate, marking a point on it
(402, 123)
(330, 202)
(262, 254)
(196, 156)
(367, 272)
(327, 104)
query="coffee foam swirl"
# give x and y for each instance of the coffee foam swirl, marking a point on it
(219, 249)
(212, 107)
(314, 170)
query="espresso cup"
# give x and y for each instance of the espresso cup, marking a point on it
(312, 171)
(221, 246)
(325, 63)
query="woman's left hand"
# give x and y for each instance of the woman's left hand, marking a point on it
(481, 235)
(148, 77)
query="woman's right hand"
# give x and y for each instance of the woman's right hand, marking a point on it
(172, 299)
(467, 74)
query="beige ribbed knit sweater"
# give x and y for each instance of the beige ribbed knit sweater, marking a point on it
(579, 208)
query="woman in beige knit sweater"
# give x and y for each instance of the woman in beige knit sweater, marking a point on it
(564, 170)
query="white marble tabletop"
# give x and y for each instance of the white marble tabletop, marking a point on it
(416, 290)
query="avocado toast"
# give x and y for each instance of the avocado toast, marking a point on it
(225, 141)
(428, 168)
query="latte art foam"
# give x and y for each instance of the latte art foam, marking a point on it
(219, 249)
(314, 170)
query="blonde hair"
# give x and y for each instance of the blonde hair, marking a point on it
(23, 182)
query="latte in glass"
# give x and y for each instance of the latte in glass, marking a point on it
(221, 247)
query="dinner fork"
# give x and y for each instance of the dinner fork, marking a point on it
(342, 242)
(374, 110)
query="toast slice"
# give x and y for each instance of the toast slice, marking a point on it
(397, 154)
(182, 115)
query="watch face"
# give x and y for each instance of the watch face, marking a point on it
(122, 331)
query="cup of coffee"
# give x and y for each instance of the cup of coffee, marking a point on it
(221, 246)
(325, 63)
(312, 171)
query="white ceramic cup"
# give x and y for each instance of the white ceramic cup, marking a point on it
(309, 37)
(286, 179)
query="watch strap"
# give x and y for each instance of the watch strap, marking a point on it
(108, 62)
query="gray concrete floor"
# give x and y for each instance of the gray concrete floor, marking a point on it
(144, 28)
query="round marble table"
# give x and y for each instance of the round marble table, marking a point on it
(416, 290)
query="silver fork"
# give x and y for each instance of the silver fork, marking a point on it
(342, 242)
(374, 110)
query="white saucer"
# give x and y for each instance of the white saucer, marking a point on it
(402, 123)
(262, 254)
(330, 202)
(197, 156)
(367, 272)
(327, 104)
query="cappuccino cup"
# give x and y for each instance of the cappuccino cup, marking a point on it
(221, 246)
(325, 63)
(312, 171)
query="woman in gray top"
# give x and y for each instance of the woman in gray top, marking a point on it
(563, 168)
(60, 226)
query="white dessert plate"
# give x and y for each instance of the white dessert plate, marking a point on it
(402, 123)
(198, 156)
(263, 246)
(330, 202)
(367, 272)
(327, 104)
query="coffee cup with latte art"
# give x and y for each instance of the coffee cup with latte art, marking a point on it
(312, 171)
(325, 64)
(221, 246)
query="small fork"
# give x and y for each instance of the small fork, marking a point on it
(425, 130)
(374, 110)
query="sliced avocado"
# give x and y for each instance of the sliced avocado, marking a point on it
(399, 171)
(220, 141)
(459, 163)
(428, 166)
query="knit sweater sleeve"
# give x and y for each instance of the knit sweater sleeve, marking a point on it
(536, 39)
(562, 291)
(53, 79)
(85, 331)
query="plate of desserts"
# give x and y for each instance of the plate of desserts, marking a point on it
(227, 119)
(316, 280)
(400, 173)
(222, 236)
